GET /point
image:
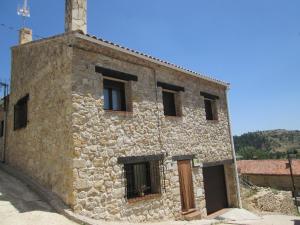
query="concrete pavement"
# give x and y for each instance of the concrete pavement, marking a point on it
(21, 206)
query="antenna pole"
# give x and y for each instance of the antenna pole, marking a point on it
(24, 11)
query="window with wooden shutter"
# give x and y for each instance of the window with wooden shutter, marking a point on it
(20, 113)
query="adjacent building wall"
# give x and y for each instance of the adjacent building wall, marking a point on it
(100, 137)
(281, 182)
(1, 138)
(44, 149)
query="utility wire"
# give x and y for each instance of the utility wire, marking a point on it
(39, 37)
(3, 25)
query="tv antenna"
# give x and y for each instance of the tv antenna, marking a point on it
(24, 11)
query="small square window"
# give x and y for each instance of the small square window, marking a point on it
(210, 109)
(2, 128)
(114, 95)
(169, 103)
(142, 179)
(20, 113)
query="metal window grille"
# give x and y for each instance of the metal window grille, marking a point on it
(142, 178)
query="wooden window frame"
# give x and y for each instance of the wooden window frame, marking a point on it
(111, 84)
(173, 111)
(213, 115)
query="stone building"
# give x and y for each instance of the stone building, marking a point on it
(117, 134)
(274, 173)
(3, 106)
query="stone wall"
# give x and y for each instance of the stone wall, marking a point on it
(282, 182)
(44, 149)
(231, 185)
(100, 137)
(71, 145)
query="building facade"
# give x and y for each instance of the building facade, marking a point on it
(278, 174)
(117, 134)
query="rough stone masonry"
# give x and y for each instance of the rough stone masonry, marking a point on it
(83, 152)
(71, 144)
(76, 15)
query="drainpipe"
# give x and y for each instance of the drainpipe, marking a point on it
(233, 153)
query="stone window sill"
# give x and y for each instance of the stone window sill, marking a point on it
(144, 198)
(213, 121)
(173, 117)
(121, 113)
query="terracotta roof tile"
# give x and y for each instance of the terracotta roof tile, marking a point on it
(268, 167)
(157, 59)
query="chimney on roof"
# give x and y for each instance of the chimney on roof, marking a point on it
(75, 15)
(25, 35)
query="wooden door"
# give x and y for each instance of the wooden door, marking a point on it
(215, 188)
(186, 185)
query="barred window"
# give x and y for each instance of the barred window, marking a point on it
(142, 178)
(20, 113)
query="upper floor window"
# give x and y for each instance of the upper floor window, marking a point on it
(171, 96)
(114, 95)
(2, 128)
(210, 109)
(210, 106)
(20, 113)
(169, 103)
(117, 94)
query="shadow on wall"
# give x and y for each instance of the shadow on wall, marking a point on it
(17, 195)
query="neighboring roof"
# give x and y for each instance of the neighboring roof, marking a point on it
(268, 167)
(152, 59)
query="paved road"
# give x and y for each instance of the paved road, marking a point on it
(269, 220)
(20, 206)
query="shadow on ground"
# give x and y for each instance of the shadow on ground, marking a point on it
(296, 222)
(16, 195)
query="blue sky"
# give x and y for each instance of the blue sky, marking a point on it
(253, 44)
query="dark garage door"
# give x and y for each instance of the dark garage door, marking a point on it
(215, 188)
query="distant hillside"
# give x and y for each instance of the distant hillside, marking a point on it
(272, 144)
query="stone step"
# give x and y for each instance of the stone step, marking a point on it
(189, 211)
(196, 215)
